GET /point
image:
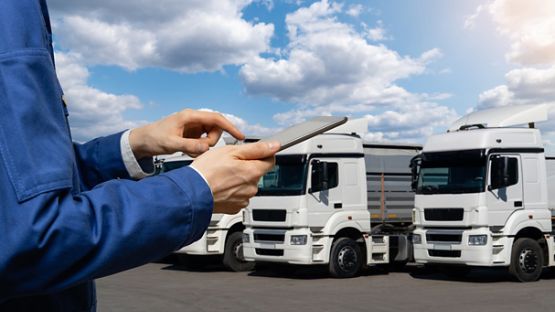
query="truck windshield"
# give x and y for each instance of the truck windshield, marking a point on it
(452, 172)
(287, 177)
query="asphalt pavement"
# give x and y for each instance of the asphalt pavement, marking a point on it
(171, 286)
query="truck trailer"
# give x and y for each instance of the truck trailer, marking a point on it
(485, 193)
(333, 200)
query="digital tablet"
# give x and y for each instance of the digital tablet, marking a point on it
(306, 130)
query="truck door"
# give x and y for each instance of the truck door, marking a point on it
(504, 193)
(323, 201)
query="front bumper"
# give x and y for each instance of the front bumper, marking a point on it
(496, 252)
(211, 243)
(315, 251)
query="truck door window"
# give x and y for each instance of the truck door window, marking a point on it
(333, 175)
(504, 172)
(317, 177)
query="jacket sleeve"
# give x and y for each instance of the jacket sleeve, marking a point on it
(100, 160)
(56, 240)
(53, 235)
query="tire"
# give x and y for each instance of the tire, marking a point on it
(345, 258)
(526, 260)
(233, 254)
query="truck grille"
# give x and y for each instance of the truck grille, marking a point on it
(444, 238)
(444, 214)
(269, 252)
(267, 238)
(445, 253)
(269, 215)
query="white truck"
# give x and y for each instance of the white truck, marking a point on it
(485, 194)
(333, 200)
(224, 233)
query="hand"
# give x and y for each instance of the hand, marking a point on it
(181, 132)
(233, 172)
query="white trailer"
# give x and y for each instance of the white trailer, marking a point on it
(333, 200)
(485, 194)
(224, 233)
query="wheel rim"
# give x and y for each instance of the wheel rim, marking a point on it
(347, 259)
(528, 260)
(238, 252)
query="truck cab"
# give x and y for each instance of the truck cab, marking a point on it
(312, 207)
(482, 194)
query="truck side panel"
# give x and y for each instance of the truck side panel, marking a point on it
(393, 166)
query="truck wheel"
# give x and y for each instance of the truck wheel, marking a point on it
(345, 258)
(233, 254)
(526, 260)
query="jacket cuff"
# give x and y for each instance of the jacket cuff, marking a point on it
(137, 169)
(195, 187)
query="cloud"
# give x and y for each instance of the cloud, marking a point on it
(269, 4)
(329, 67)
(93, 112)
(530, 25)
(377, 33)
(470, 21)
(327, 61)
(187, 36)
(523, 86)
(354, 10)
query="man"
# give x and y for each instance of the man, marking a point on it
(73, 213)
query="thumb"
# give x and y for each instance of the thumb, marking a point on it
(258, 150)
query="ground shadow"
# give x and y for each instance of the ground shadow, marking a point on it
(303, 272)
(474, 274)
(191, 263)
(314, 272)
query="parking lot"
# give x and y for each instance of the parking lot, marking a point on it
(169, 286)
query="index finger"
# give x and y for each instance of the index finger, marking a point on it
(218, 120)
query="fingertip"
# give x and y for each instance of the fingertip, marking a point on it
(202, 147)
(273, 146)
(239, 135)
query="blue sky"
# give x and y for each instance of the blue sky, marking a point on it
(410, 67)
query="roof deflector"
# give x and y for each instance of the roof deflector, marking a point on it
(505, 116)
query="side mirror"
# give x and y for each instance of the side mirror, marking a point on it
(319, 176)
(501, 173)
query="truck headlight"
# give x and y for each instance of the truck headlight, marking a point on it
(416, 239)
(477, 240)
(246, 238)
(298, 239)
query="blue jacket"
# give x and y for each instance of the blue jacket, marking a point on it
(68, 212)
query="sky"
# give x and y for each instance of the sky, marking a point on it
(410, 68)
